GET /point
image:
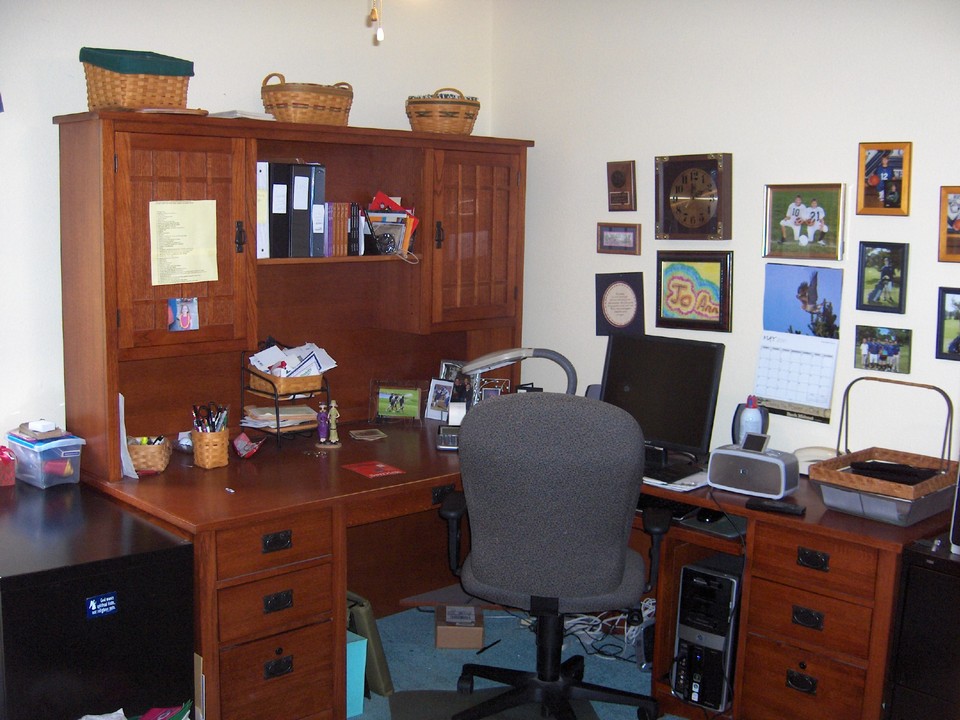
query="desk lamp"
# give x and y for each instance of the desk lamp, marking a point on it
(502, 358)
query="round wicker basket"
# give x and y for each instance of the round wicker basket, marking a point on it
(307, 102)
(446, 111)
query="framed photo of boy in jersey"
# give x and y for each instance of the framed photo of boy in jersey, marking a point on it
(883, 186)
(804, 222)
(948, 324)
(949, 224)
(882, 277)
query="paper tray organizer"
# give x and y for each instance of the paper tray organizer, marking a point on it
(885, 500)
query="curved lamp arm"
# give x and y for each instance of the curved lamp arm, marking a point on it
(501, 358)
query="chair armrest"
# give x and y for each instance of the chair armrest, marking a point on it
(453, 507)
(656, 522)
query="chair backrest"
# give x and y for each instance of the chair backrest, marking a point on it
(551, 483)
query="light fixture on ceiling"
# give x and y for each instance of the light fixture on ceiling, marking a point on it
(376, 16)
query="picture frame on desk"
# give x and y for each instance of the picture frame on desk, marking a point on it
(396, 400)
(438, 401)
(694, 290)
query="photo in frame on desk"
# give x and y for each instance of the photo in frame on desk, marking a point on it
(397, 399)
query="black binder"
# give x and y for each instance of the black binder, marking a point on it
(299, 210)
(279, 217)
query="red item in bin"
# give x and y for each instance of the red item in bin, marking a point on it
(61, 467)
(8, 467)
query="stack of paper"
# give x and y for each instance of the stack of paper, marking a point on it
(307, 359)
(266, 417)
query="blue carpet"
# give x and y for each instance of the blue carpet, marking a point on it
(416, 664)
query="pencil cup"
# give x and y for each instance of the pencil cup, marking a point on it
(210, 448)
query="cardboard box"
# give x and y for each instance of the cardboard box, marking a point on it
(459, 626)
(356, 669)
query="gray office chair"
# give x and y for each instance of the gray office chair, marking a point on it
(551, 485)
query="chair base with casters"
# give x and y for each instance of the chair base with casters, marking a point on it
(553, 685)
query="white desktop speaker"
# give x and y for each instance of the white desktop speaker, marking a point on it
(769, 474)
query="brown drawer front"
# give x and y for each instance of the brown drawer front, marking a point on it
(273, 543)
(784, 683)
(279, 603)
(832, 624)
(812, 561)
(285, 676)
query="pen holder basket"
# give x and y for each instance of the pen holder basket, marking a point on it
(150, 458)
(210, 448)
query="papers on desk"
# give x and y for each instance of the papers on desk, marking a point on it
(691, 482)
(266, 417)
(301, 361)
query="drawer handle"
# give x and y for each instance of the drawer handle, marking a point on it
(801, 682)
(273, 542)
(813, 559)
(805, 617)
(277, 668)
(282, 600)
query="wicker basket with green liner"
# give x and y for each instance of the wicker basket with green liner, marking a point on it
(446, 111)
(307, 102)
(134, 79)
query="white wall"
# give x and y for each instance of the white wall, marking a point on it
(790, 89)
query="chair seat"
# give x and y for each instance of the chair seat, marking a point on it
(626, 595)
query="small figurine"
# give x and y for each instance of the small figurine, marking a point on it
(333, 415)
(323, 424)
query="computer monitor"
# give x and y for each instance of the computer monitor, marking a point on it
(670, 386)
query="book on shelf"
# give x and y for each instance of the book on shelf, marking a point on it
(263, 209)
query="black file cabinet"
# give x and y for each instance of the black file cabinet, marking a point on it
(925, 668)
(96, 607)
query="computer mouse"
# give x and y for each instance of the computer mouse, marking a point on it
(706, 515)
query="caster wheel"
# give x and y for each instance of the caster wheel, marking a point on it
(465, 685)
(644, 715)
(576, 668)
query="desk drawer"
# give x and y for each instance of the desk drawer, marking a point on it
(282, 602)
(813, 561)
(272, 543)
(834, 625)
(279, 678)
(784, 683)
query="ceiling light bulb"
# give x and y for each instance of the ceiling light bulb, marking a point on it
(379, 34)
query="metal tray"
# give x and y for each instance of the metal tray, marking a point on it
(885, 508)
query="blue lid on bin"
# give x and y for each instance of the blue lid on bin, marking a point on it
(136, 62)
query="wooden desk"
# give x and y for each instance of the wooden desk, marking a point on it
(855, 593)
(270, 551)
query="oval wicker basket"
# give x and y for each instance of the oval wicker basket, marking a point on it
(150, 458)
(446, 111)
(307, 102)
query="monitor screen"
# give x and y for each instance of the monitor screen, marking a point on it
(670, 386)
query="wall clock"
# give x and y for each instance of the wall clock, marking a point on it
(694, 197)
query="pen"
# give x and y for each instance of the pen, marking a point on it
(487, 647)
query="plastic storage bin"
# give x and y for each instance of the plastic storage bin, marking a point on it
(44, 463)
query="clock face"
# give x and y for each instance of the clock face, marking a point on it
(694, 197)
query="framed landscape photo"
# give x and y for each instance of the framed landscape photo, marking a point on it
(396, 399)
(623, 239)
(882, 277)
(694, 290)
(883, 349)
(949, 224)
(948, 324)
(883, 180)
(804, 222)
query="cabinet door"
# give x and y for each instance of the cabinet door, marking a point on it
(477, 245)
(171, 168)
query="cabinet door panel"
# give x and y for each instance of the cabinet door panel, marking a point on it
(165, 168)
(477, 203)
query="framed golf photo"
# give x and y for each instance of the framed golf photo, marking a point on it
(948, 324)
(804, 221)
(883, 187)
(882, 277)
(396, 399)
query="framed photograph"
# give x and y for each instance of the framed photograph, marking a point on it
(438, 401)
(491, 387)
(450, 369)
(623, 239)
(883, 349)
(694, 290)
(948, 324)
(804, 221)
(882, 277)
(396, 400)
(621, 185)
(950, 224)
(883, 185)
(694, 197)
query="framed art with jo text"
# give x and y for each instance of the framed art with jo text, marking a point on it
(694, 290)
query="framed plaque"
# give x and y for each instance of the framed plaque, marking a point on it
(620, 303)
(621, 185)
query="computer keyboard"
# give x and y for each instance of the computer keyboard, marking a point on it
(677, 508)
(671, 473)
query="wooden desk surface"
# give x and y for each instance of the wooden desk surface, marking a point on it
(298, 474)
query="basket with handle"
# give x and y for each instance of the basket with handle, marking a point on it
(307, 102)
(446, 111)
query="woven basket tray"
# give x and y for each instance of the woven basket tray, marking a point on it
(150, 458)
(446, 111)
(835, 471)
(108, 89)
(307, 102)
(269, 384)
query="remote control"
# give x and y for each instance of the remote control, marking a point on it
(779, 506)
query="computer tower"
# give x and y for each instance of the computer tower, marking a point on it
(702, 672)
